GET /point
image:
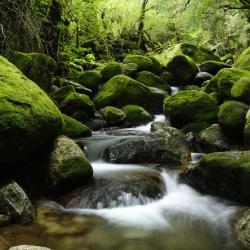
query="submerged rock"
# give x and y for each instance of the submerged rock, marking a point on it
(164, 146)
(136, 115)
(190, 106)
(122, 90)
(152, 80)
(29, 120)
(15, 203)
(225, 174)
(183, 68)
(128, 189)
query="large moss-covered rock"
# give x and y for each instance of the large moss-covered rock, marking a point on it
(75, 102)
(243, 62)
(152, 80)
(90, 79)
(60, 94)
(242, 227)
(190, 106)
(164, 146)
(110, 70)
(241, 90)
(112, 115)
(37, 67)
(226, 174)
(15, 203)
(130, 69)
(156, 67)
(67, 164)
(223, 82)
(136, 115)
(232, 118)
(74, 129)
(28, 118)
(143, 62)
(122, 90)
(183, 68)
(213, 67)
(213, 139)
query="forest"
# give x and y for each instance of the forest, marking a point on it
(124, 125)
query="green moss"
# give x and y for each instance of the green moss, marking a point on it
(195, 127)
(232, 118)
(213, 67)
(241, 90)
(243, 62)
(112, 115)
(90, 79)
(37, 67)
(130, 69)
(190, 106)
(152, 80)
(110, 70)
(143, 62)
(136, 115)
(156, 67)
(28, 118)
(76, 102)
(183, 69)
(74, 129)
(224, 81)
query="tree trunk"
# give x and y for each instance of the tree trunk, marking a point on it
(141, 42)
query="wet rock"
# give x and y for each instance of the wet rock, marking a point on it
(213, 139)
(242, 227)
(232, 118)
(201, 77)
(157, 126)
(183, 69)
(213, 67)
(163, 146)
(225, 174)
(113, 115)
(127, 189)
(15, 206)
(29, 247)
(190, 106)
(96, 124)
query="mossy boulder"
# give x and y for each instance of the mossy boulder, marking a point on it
(225, 174)
(152, 80)
(110, 70)
(232, 118)
(90, 79)
(122, 90)
(29, 120)
(190, 106)
(183, 68)
(130, 69)
(195, 127)
(201, 78)
(213, 67)
(15, 203)
(156, 67)
(213, 139)
(66, 166)
(74, 129)
(60, 94)
(241, 90)
(143, 62)
(136, 115)
(37, 67)
(223, 82)
(243, 62)
(112, 115)
(75, 102)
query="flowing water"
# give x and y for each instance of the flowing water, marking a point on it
(179, 219)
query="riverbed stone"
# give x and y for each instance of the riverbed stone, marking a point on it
(232, 118)
(201, 77)
(29, 119)
(242, 227)
(136, 115)
(164, 146)
(183, 68)
(213, 67)
(15, 203)
(152, 80)
(122, 90)
(225, 174)
(190, 106)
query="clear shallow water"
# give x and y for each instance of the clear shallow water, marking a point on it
(182, 219)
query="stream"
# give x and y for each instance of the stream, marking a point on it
(174, 217)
